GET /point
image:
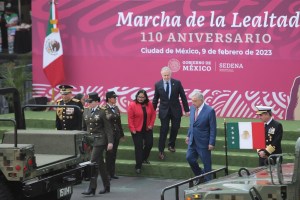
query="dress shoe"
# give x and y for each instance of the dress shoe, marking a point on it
(114, 177)
(138, 171)
(146, 162)
(105, 190)
(161, 155)
(172, 149)
(199, 181)
(89, 192)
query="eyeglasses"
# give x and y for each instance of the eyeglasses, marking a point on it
(141, 97)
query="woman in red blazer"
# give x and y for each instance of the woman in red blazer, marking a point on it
(141, 118)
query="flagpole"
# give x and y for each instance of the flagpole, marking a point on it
(226, 155)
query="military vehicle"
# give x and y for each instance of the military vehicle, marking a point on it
(40, 164)
(271, 182)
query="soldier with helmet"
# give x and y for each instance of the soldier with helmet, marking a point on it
(273, 135)
(68, 118)
(113, 114)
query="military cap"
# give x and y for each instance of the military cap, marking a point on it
(65, 89)
(110, 94)
(93, 96)
(263, 109)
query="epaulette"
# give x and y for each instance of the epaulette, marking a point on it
(75, 100)
(103, 107)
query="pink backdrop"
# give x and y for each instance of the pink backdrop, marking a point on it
(108, 45)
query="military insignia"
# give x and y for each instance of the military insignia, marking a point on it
(271, 131)
(97, 117)
(75, 100)
(70, 111)
(103, 107)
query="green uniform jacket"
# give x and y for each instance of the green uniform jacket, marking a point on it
(98, 126)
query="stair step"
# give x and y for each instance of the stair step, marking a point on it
(161, 169)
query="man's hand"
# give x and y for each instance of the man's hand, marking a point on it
(210, 147)
(187, 140)
(109, 146)
(262, 154)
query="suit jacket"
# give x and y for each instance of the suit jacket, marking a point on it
(203, 131)
(173, 103)
(69, 118)
(114, 117)
(136, 116)
(273, 134)
(97, 125)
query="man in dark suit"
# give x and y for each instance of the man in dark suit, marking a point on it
(273, 135)
(201, 136)
(68, 118)
(168, 91)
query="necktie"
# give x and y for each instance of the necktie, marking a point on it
(113, 109)
(196, 114)
(167, 89)
(93, 110)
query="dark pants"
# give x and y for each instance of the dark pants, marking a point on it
(192, 155)
(143, 142)
(97, 156)
(264, 161)
(111, 157)
(164, 129)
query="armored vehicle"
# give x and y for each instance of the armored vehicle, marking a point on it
(40, 164)
(271, 182)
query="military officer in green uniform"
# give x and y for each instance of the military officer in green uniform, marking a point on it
(98, 125)
(273, 135)
(68, 118)
(113, 114)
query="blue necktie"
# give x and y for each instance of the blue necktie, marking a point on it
(167, 89)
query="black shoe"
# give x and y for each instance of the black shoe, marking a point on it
(138, 171)
(89, 192)
(146, 162)
(105, 190)
(172, 149)
(114, 177)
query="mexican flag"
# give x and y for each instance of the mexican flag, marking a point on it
(245, 135)
(53, 52)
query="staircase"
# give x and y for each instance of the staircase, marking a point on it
(175, 165)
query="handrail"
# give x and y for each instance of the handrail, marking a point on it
(15, 130)
(189, 181)
(44, 106)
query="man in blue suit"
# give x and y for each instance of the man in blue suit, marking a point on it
(168, 91)
(201, 136)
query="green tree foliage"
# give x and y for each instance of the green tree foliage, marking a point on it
(15, 75)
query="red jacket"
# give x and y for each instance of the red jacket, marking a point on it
(136, 116)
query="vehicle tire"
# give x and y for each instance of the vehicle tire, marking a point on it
(5, 192)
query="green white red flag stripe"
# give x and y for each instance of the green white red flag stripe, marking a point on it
(53, 51)
(245, 135)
